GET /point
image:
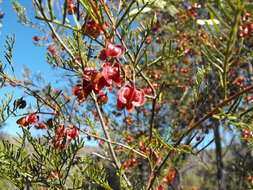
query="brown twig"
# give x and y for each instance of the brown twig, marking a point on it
(115, 143)
(107, 136)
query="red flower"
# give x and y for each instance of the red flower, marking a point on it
(102, 97)
(147, 91)
(71, 7)
(62, 134)
(250, 27)
(114, 51)
(127, 164)
(239, 81)
(249, 179)
(129, 97)
(102, 55)
(80, 93)
(111, 73)
(249, 99)
(93, 29)
(98, 82)
(72, 132)
(89, 74)
(36, 38)
(92, 80)
(135, 162)
(192, 9)
(32, 118)
(52, 50)
(160, 187)
(111, 51)
(60, 131)
(41, 126)
(247, 133)
(28, 120)
(169, 178)
(23, 121)
(44, 38)
(101, 143)
(77, 90)
(128, 139)
(148, 150)
(59, 144)
(129, 120)
(78, 58)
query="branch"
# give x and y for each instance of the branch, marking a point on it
(101, 156)
(107, 136)
(115, 143)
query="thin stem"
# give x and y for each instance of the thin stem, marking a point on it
(125, 13)
(107, 136)
(152, 120)
(208, 144)
(115, 143)
(229, 49)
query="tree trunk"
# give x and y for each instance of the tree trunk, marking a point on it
(218, 152)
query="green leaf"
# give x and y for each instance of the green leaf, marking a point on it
(9, 45)
(137, 11)
(20, 11)
(173, 10)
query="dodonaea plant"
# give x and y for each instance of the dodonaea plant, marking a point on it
(145, 81)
